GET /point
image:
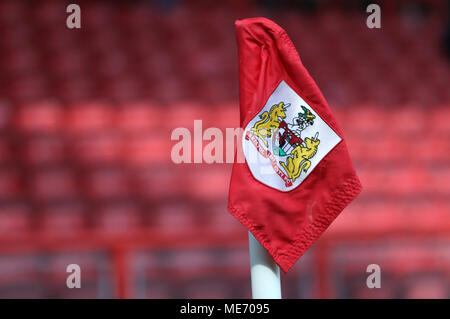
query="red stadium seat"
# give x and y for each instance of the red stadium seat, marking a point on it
(15, 220)
(89, 117)
(54, 184)
(107, 184)
(43, 149)
(173, 218)
(120, 218)
(6, 153)
(64, 219)
(11, 185)
(149, 149)
(160, 183)
(40, 117)
(209, 184)
(105, 147)
(139, 116)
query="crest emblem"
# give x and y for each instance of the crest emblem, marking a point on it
(286, 140)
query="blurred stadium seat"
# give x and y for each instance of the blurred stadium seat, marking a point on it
(85, 169)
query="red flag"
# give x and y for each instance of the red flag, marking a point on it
(298, 175)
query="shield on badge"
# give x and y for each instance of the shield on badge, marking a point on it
(281, 143)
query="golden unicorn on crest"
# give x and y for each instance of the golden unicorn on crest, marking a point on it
(299, 159)
(270, 121)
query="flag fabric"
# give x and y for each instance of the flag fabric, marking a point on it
(297, 176)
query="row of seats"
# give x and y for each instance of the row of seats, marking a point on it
(174, 55)
(147, 116)
(224, 273)
(135, 151)
(131, 219)
(52, 184)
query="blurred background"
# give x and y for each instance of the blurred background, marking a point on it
(85, 171)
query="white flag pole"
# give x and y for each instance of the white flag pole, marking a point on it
(265, 273)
